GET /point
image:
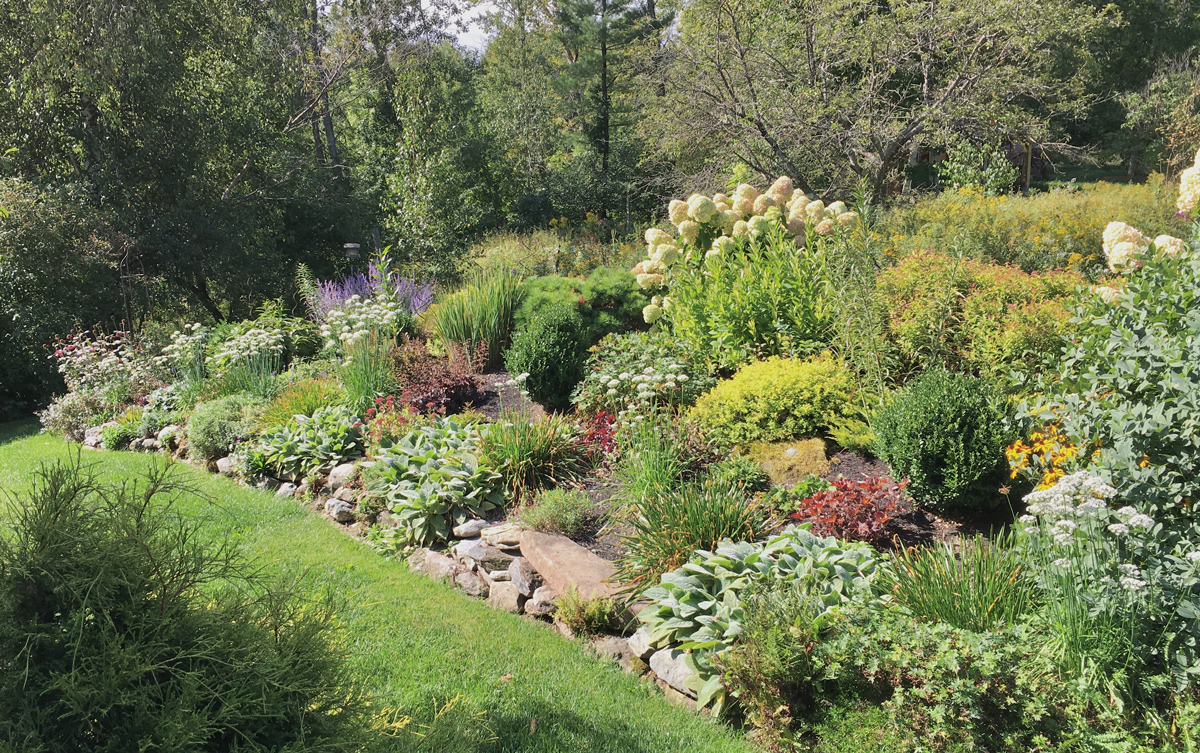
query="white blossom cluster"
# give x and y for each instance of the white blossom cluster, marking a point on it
(357, 318)
(1126, 247)
(250, 345)
(724, 218)
(1189, 188)
(643, 391)
(185, 345)
(1075, 516)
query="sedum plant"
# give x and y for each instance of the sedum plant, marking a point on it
(306, 443)
(432, 480)
(634, 373)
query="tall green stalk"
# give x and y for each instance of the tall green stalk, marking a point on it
(480, 315)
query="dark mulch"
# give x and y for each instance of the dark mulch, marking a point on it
(854, 467)
(496, 395)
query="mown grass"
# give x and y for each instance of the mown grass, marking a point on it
(500, 682)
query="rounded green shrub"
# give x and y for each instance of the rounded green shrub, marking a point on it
(551, 351)
(946, 434)
(216, 426)
(608, 300)
(779, 398)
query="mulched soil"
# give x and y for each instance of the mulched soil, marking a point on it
(496, 395)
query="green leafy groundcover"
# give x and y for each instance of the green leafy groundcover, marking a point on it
(466, 677)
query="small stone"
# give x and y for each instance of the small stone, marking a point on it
(542, 602)
(523, 576)
(639, 643)
(168, 436)
(505, 533)
(340, 511)
(303, 488)
(506, 596)
(440, 567)
(470, 529)
(791, 452)
(346, 494)
(225, 466)
(286, 490)
(472, 584)
(416, 560)
(669, 665)
(675, 698)
(339, 476)
(611, 647)
(151, 445)
(269, 484)
(93, 436)
(135, 444)
(386, 519)
(495, 576)
(485, 555)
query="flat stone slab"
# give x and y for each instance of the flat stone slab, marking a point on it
(562, 563)
(470, 529)
(505, 534)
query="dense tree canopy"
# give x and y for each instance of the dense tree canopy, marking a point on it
(175, 160)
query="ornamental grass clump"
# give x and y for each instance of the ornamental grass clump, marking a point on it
(984, 585)
(530, 455)
(126, 626)
(481, 313)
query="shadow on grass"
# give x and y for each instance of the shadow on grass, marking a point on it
(14, 430)
(541, 727)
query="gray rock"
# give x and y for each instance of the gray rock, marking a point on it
(506, 596)
(93, 436)
(286, 490)
(303, 488)
(611, 647)
(472, 584)
(675, 698)
(494, 576)
(639, 643)
(542, 602)
(668, 664)
(791, 452)
(470, 529)
(339, 476)
(225, 466)
(416, 560)
(340, 511)
(168, 436)
(347, 494)
(482, 554)
(523, 576)
(385, 519)
(269, 484)
(151, 445)
(135, 444)
(440, 567)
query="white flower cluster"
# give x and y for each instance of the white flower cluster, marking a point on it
(1079, 493)
(185, 345)
(359, 317)
(1125, 248)
(724, 218)
(1189, 188)
(251, 344)
(644, 390)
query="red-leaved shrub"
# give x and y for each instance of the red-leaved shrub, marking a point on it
(855, 510)
(430, 384)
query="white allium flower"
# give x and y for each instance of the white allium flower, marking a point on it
(1132, 584)
(1194, 555)
(1127, 511)
(1119, 528)
(1141, 520)
(1062, 562)
(1028, 519)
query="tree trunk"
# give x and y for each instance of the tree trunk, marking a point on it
(604, 107)
(326, 115)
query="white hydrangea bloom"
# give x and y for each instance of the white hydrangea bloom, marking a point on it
(1169, 246)
(677, 211)
(689, 231)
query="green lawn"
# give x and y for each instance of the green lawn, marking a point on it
(418, 644)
